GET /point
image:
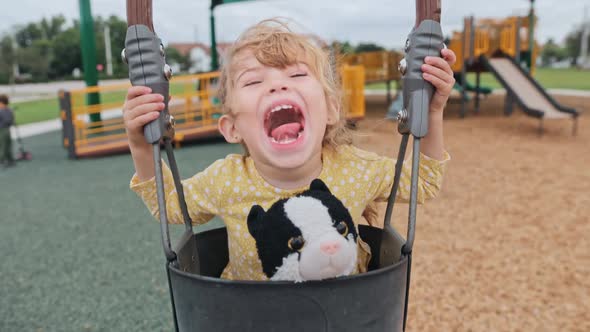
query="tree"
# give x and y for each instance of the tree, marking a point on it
(343, 47)
(35, 59)
(368, 47)
(26, 35)
(52, 27)
(572, 44)
(67, 53)
(552, 52)
(50, 48)
(118, 31)
(174, 57)
(7, 58)
(35, 41)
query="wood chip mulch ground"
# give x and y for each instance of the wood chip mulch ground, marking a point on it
(506, 245)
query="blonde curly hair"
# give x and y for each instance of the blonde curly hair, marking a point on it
(274, 44)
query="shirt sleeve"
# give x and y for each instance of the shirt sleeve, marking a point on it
(6, 118)
(199, 199)
(431, 173)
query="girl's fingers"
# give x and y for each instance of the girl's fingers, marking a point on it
(143, 99)
(140, 110)
(439, 63)
(443, 75)
(135, 91)
(442, 87)
(143, 119)
(449, 56)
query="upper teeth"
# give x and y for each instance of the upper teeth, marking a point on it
(281, 107)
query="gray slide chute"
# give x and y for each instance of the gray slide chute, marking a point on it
(532, 98)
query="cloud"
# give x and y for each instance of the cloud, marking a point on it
(386, 22)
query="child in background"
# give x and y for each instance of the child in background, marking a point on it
(282, 101)
(6, 120)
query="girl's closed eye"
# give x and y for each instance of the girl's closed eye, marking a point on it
(301, 74)
(252, 82)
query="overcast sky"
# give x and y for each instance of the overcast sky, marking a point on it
(386, 22)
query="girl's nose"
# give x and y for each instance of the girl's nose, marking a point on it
(278, 87)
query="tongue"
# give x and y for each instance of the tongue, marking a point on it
(286, 131)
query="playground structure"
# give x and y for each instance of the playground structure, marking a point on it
(503, 47)
(194, 107)
(380, 66)
(194, 111)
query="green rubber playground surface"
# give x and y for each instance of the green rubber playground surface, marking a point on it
(80, 252)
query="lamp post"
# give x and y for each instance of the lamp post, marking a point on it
(584, 58)
(214, 55)
(15, 68)
(89, 54)
(531, 35)
(107, 49)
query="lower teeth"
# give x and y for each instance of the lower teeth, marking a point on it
(286, 140)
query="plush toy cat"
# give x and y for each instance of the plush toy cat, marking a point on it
(310, 236)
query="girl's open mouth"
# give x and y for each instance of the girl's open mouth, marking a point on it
(284, 123)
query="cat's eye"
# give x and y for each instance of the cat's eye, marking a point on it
(296, 243)
(342, 228)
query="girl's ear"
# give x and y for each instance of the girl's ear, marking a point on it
(333, 112)
(227, 128)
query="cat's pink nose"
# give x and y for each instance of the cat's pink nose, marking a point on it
(330, 248)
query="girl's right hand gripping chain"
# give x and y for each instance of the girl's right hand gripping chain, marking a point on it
(140, 108)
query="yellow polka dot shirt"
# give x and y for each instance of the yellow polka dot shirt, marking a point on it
(231, 186)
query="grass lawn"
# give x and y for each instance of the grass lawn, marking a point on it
(48, 109)
(35, 110)
(549, 78)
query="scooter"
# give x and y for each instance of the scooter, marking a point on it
(22, 153)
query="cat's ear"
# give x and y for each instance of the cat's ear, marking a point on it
(255, 218)
(319, 185)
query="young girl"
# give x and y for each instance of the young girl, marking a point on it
(282, 101)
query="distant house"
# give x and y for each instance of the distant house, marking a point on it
(200, 54)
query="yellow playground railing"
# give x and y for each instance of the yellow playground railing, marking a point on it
(94, 130)
(380, 66)
(192, 104)
(508, 39)
(353, 85)
(482, 43)
(509, 36)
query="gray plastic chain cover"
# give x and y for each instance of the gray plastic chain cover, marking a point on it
(146, 68)
(425, 40)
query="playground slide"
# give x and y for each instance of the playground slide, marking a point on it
(531, 97)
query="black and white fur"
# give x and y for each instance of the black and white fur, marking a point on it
(324, 224)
